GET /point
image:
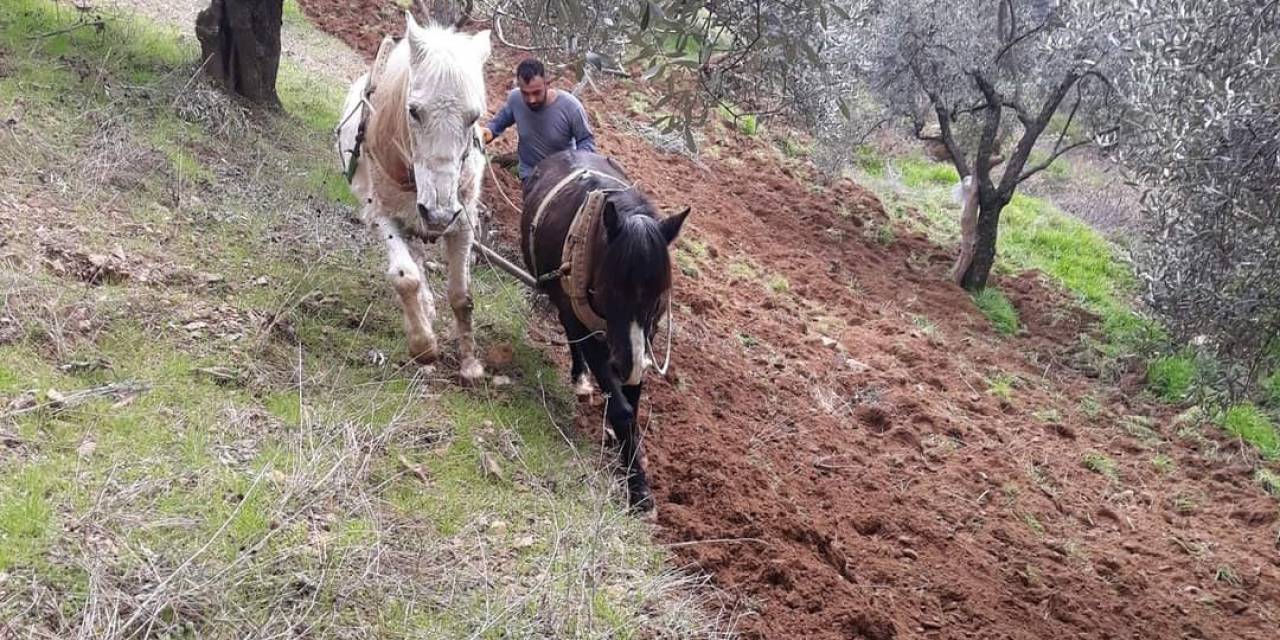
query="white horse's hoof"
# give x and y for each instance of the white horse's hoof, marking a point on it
(472, 371)
(424, 350)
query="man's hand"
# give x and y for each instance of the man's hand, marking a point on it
(486, 135)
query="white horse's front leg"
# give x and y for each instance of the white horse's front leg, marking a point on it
(458, 250)
(415, 297)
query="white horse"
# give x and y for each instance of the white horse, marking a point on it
(419, 167)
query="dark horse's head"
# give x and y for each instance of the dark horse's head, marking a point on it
(634, 278)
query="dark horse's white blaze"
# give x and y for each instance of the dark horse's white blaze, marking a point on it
(629, 262)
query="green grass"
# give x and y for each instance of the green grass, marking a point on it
(1001, 386)
(1163, 463)
(1251, 424)
(745, 122)
(1101, 465)
(870, 161)
(1035, 235)
(1269, 480)
(1271, 390)
(997, 308)
(1172, 377)
(919, 172)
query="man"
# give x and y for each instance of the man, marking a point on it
(549, 120)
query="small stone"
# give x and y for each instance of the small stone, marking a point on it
(55, 397)
(87, 448)
(856, 366)
(262, 281)
(827, 342)
(195, 326)
(501, 381)
(498, 528)
(489, 465)
(523, 542)
(97, 260)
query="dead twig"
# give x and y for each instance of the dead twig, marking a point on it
(97, 24)
(415, 469)
(119, 390)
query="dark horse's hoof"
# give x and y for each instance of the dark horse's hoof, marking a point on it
(639, 496)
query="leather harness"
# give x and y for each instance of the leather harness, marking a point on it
(577, 244)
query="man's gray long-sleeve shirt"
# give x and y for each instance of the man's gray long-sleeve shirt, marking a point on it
(558, 126)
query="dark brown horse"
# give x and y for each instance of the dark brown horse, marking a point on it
(614, 285)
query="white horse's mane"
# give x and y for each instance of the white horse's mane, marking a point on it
(448, 61)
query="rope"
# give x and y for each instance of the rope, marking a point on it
(671, 329)
(497, 186)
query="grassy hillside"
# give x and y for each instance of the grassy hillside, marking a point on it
(208, 423)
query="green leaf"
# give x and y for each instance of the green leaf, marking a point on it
(644, 18)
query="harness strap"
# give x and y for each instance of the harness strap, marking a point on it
(577, 243)
(375, 73)
(576, 246)
(542, 209)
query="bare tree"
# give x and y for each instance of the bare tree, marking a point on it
(961, 75)
(1204, 93)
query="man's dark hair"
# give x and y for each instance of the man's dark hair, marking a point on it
(530, 69)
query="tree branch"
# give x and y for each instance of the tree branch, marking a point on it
(944, 123)
(1060, 152)
(1031, 132)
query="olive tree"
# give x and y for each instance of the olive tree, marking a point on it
(1204, 92)
(963, 75)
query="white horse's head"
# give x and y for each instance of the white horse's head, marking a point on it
(444, 97)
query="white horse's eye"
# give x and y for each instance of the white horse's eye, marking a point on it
(415, 113)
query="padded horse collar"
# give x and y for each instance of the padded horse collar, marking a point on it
(577, 243)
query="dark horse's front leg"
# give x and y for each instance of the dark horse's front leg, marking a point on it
(621, 409)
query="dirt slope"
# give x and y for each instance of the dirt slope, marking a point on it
(829, 430)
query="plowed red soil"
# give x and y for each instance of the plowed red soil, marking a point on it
(829, 431)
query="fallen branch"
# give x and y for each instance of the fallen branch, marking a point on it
(415, 469)
(97, 24)
(119, 390)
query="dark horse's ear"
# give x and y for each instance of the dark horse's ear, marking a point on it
(671, 226)
(612, 221)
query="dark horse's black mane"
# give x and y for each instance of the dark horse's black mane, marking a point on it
(639, 254)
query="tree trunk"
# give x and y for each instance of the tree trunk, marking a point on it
(968, 192)
(984, 249)
(240, 44)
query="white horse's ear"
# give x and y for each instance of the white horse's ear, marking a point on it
(411, 27)
(483, 44)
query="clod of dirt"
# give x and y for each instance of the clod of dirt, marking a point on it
(500, 356)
